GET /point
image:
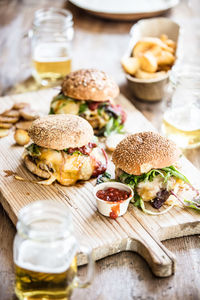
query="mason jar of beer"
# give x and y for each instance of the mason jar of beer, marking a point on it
(51, 38)
(45, 253)
(181, 118)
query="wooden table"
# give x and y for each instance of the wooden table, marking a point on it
(101, 43)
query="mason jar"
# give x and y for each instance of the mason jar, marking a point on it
(51, 45)
(181, 118)
(45, 253)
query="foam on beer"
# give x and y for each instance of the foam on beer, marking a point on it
(46, 257)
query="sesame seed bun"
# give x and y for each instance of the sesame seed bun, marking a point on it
(139, 153)
(90, 84)
(61, 131)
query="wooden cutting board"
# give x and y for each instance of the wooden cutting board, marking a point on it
(135, 231)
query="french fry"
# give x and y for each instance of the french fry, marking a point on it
(156, 50)
(130, 64)
(146, 75)
(21, 137)
(163, 37)
(148, 62)
(166, 58)
(171, 44)
(152, 57)
(146, 44)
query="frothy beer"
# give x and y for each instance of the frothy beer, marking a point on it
(41, 274)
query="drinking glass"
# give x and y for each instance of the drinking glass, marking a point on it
(181, 119)
(51, 44)
(45, 253)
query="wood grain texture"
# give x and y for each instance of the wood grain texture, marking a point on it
(100, 43)
(135, 231)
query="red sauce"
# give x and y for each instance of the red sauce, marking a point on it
(113, 195)
(93, 105)
(84, 149)
(120, 111)
(114, 211)
(99, 169)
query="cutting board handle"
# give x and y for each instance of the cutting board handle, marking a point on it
(159, 258)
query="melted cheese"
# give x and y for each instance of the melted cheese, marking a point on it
(66, 107)
(69, 168)
(148, 189)
(72, 107)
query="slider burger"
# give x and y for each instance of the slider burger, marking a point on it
(89, 93)
(63, 150)
(146, 162)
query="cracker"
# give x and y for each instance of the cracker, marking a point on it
(11, 113)
(6, 125)
(28, 114)
(23, 125)
(4, 132)
(8, 119)
(20, 105)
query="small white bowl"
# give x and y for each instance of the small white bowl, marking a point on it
(106, 208)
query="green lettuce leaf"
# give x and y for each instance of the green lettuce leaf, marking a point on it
(83, 107)
(114, 125)
(105, 177)
(33, 150)
(195, 204)
(166, 173)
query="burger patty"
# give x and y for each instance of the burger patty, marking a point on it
(66, 167)
(98, 114)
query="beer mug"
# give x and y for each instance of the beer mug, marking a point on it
(45, 253)
(181, 118)
(51, 38)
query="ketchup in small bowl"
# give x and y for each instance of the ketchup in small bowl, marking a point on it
(113, 194)
(112, 198)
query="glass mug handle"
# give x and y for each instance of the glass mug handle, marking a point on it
(90, 271)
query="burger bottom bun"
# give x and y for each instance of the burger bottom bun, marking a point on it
(34, 169)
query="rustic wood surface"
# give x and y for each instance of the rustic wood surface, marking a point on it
(135, 231)
(101, 43)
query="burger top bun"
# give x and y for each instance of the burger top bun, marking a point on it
(139, 153)
(90, 84)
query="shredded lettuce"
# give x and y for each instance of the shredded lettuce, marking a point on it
(166, 173)
(83, 107)
(33, 150)
(51, 112)
(195, 204)
(174, 172)
(114, 125)
(75, 152)
(105, 177)
(134, 180)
